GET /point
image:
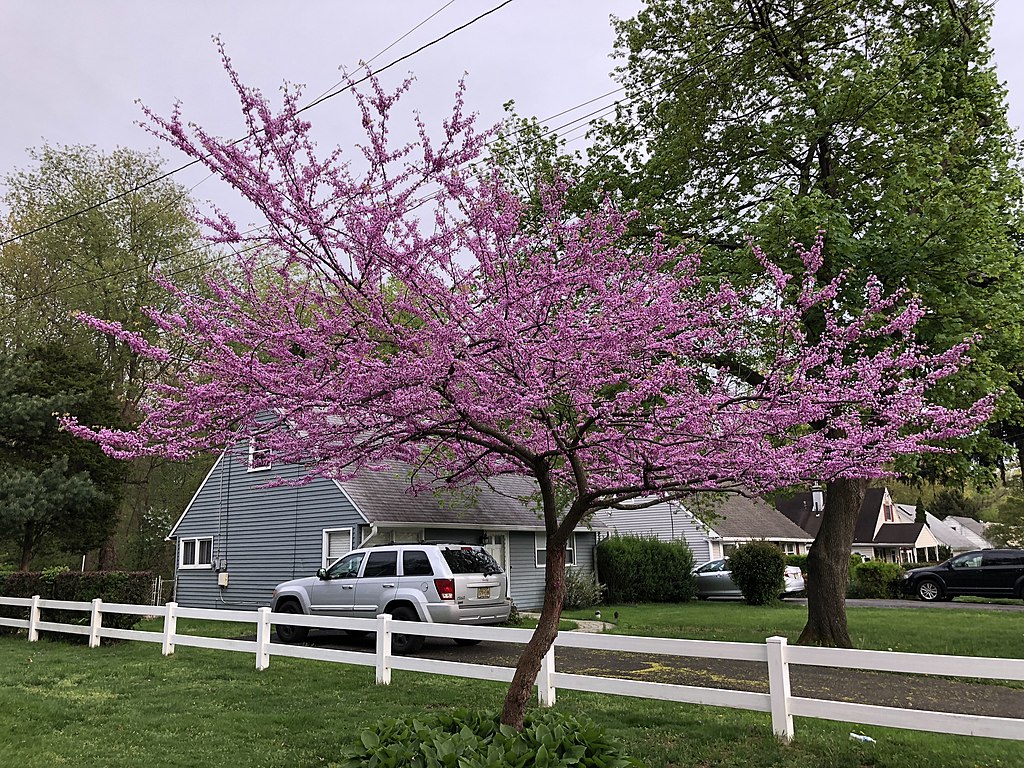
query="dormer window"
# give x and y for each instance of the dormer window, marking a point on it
(259, 456)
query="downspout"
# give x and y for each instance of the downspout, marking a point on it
(369, 537)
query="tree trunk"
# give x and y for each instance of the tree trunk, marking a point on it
(28, 543)
(828, 566)
(543, 636)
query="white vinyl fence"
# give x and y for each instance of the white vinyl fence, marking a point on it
(775, 652)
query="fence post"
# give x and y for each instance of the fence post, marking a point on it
(384, 649)
(33, 619)
(170, 628)
(95, 622)
(778, 687)
(545, 684)
(263, 639)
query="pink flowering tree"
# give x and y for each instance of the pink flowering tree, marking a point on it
(408, 311)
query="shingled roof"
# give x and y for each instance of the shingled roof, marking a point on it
(741, 517)
(385, 498)
(798, 509)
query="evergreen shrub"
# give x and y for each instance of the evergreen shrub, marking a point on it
(131, 587)
(758, 569)
(876, 580)
(645, 570)
(474, 739)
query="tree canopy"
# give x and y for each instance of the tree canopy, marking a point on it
(415, 314)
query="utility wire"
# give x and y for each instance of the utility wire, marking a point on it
(331, 95)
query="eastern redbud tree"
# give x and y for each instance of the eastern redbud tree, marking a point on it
(403, 306)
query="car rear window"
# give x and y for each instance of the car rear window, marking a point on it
(381, 564)
(470, 561)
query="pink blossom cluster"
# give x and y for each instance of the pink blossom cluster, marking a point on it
(417, 310)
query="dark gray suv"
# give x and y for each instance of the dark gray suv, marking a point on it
(440, 583)
(984, 573)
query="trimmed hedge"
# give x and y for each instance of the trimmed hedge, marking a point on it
(876, 579)
(132, 587)
(635, 569)
(758, 569)
(473, 739)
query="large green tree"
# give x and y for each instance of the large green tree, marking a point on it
(54, 488)
(84, 232)
(882, 123)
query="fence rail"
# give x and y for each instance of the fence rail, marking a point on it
(775, 652)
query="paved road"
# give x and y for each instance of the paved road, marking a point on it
(952, 605)
(882, 688)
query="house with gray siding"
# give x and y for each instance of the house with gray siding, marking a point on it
(253, 524)
(713, 528)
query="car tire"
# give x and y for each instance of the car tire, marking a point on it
(401, 643)
(929, 590)
(288, 634)
(465, 641)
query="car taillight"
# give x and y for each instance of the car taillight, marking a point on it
(445, 588)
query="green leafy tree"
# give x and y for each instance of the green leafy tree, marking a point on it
(883, 124)
(69, 251)
(1008, 530)
(54, 487)
(758, 568)
(953, 502)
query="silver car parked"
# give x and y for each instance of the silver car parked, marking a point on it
(714, 579)
(438, 583)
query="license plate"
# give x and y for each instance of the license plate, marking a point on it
(482, 593)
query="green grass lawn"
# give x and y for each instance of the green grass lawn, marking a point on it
(918, 630)
(126, 705)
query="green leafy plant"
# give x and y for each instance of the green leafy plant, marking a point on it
(645, 570)
(477, 739)
(876, 579)
(582, 590)
(758, 568)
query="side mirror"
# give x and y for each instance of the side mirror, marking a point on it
(321, 574)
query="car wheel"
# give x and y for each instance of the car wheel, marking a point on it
(465, 641)
(286, 633)
(929, 590)
(401, 643)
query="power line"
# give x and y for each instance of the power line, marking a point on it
(332, 94)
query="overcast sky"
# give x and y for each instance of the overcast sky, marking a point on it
(72, 70)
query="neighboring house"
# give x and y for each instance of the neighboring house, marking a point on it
(734, 520)
(948, 535)
(970, 529)
(239, 537)
(883, 532)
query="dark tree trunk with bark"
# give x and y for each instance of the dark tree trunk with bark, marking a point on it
(828, 566)
(28, 544)
(547, 629)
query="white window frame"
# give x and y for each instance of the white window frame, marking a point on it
(324, 557)
(197, 542)
(254, 451)
(540, 542)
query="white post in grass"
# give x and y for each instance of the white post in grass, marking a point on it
(384, 649)
(778, 686)
(545, 681)
(170, 628)
(95, 622)
(33, 619)
(263, 639)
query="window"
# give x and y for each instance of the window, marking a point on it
(887, 513)
(259, 456)
(415, 562)
(337, 542)
(347, 567)
(541, 543)
(380, 564)
(970, 560)
(196, 553)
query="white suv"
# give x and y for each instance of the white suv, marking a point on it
(442, 583)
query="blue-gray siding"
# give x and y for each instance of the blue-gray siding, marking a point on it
(665, 521)
(261, 536)
(528, 579)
